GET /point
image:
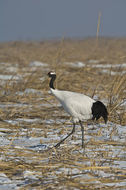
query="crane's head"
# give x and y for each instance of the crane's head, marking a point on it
(51, 74)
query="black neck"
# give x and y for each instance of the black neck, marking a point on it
(52, 81)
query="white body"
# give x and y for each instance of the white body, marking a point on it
(76, 104)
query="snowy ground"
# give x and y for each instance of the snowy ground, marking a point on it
(24, 134)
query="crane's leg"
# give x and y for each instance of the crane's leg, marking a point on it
(82, 129)
(73, 130)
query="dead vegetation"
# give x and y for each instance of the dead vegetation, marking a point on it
(35, 115)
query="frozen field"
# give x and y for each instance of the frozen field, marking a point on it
(32, 121)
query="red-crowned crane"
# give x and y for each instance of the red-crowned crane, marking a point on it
(79, 106)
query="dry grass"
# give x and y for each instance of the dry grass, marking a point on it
(67, 167)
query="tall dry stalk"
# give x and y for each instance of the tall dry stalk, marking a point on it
(98, 28)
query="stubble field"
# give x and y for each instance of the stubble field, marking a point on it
(32, 121)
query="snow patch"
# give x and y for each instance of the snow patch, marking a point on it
(29, 91)
(123, 65)
(37, 64)
(9, 77)
(77, 64)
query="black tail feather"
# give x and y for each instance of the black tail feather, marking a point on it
(99, 110)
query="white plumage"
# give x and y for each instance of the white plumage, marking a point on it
(79, 106)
